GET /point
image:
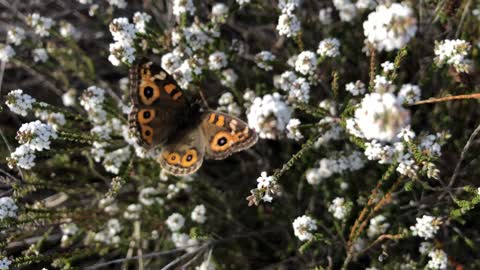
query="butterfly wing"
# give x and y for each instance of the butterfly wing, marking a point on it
(185, 156)
(159, 104)
(225, 134)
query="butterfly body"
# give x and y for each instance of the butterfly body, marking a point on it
(164, 119)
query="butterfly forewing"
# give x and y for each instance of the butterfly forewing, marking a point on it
(158, 104)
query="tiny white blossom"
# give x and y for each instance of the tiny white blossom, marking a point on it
(36, 135)
(217, 60)
(288, 25)
(264, 59)
(183, 6)
(175, 222)
(18, 102)
(304, 227)
(339, 208)
(141, 19)
(454, 53)
(8, 208)
(219, 12)
(325, 16)
(438, 259)
(329, 47)
(306, 63)
(409, 93)
(355, 88)
(6, 52)
(41, 25)
(23, 157)
(269, 116)
(5, 263)
(40, 55)
(229, 77)
(390, 27)
(114, 160)
(15, 35)
(147, 196)
(426, 227)
(378, 225)
(387, 66)
(293, 131)
(118, 3)
(68, 98)
(199, 214)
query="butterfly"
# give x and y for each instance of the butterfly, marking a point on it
(164, 119)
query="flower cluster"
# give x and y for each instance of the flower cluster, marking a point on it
(453, 53)
(390, 27)
(426, 227)
(269, 116)
(303, 227)
(8, 208)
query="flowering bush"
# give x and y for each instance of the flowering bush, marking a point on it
(365, 112)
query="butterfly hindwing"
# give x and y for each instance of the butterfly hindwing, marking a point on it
(158, 104)
(225, 134)
(185, 156)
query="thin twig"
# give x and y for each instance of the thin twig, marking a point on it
(442, 99)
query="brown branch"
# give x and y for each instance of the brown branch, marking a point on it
(442, 99)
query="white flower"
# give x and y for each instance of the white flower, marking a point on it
(195, 37)
(288, 25)
(6, 52)
(303, 227)
(225, 99)
(339, 208)
(329, 47)
(133, 211)
(217, 60)
(18, 102)
(36, 135)
(123, 34)
(15, 35)
(438, 259)
(109, 235)
(199, 214)
(380, 116)
(68, 230)
(92, 101)
(306, 63)
(182, 240)
(299, 91)
(219, 12)
(409, 93)
(377, 151)
(229, 77)
(68, 30)
(430, 145)
(141, 19)
(425, 247)
(406, 134)
(426, 227)
(286, 80)
(313, 176)
(355, 88)
(40, 54)
(23, 157)
(377, 226)
(5, 263)
(407, 167)
(264, 59)
(175, 222)
(325, 16)
(293, 131)
(8, 208)
(114, 160)
(454, 53)
(264, 181)
(383, 84)
(68, 98)
(146, 196)
(391, 27)
(288, 6)
(269, 116)
(170, 62)
(121, 53)
(243, 2)
(183, 6)
(365, 4)
(41, 25)
(347, 10)
(387, 66)
(118, 3)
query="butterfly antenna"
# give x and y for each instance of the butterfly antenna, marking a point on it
(204, 100)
